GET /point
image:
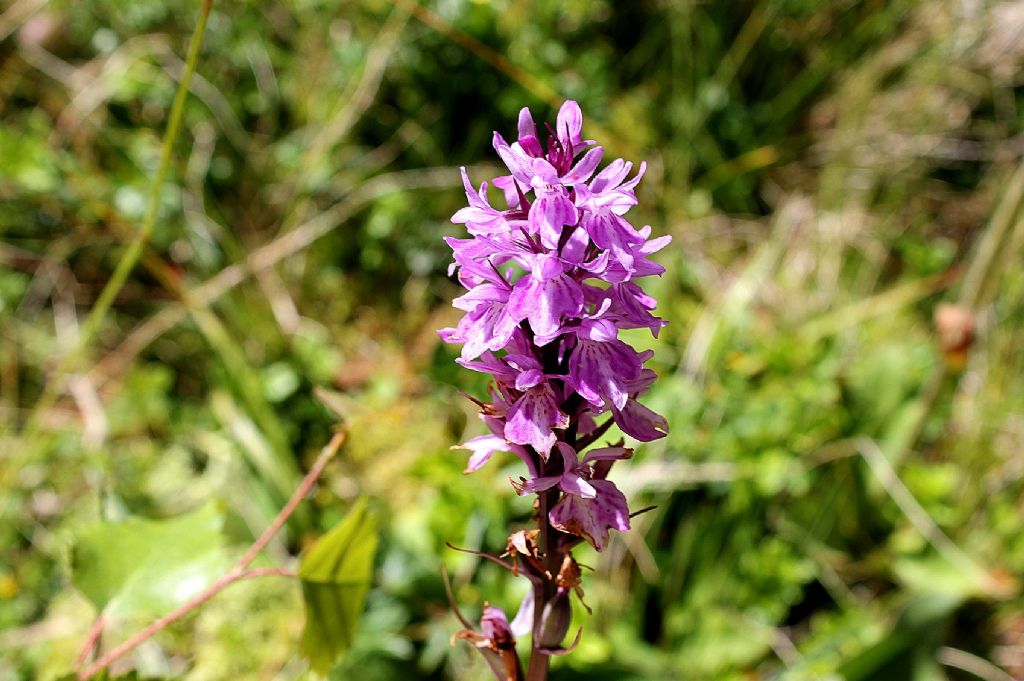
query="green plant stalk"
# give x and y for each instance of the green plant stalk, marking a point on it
(132, 254)
(134, 251)
(989, 261)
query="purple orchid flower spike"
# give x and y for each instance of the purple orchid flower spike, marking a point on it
(551, 279)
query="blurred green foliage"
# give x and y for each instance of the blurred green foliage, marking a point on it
(148, 567)
(840, 495)
(336, 573)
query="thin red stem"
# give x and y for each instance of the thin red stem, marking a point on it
(300, 493)
(480, 554)
(236, 573)
(176, 614)
(91, 640)
(451, 599)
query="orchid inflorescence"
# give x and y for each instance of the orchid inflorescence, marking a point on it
(551, 280)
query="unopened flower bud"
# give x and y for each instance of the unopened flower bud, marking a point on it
(555, 620)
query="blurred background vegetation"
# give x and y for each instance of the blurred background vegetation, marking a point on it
(841, 493)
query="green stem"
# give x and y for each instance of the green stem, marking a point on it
(134, 251)
(58, 381)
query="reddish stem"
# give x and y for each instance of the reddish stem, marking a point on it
(91, 641)
(236, 573)
(176, 614)
(543, 588)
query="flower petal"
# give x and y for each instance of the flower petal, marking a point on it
(639, 422)
(522, 623)
(483, 447)
(602, 371)
(534, 485)
(533, 418)
(608, 454)
(569, 124)
(584, 168)
(592, 518)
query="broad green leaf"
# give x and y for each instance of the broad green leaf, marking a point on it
(141, 566)
(335, 577)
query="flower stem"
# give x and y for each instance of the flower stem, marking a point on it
(544, 588)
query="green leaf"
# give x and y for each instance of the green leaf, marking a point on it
(144, 567)
(335, 577)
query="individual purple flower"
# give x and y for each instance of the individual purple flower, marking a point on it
(636, 420)
(575, 475)
(544, 297)
(592, 518)
(631, 308)
(572, 479)
(590, 506)
(478, 216)
(534, 417)
(601, 366)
